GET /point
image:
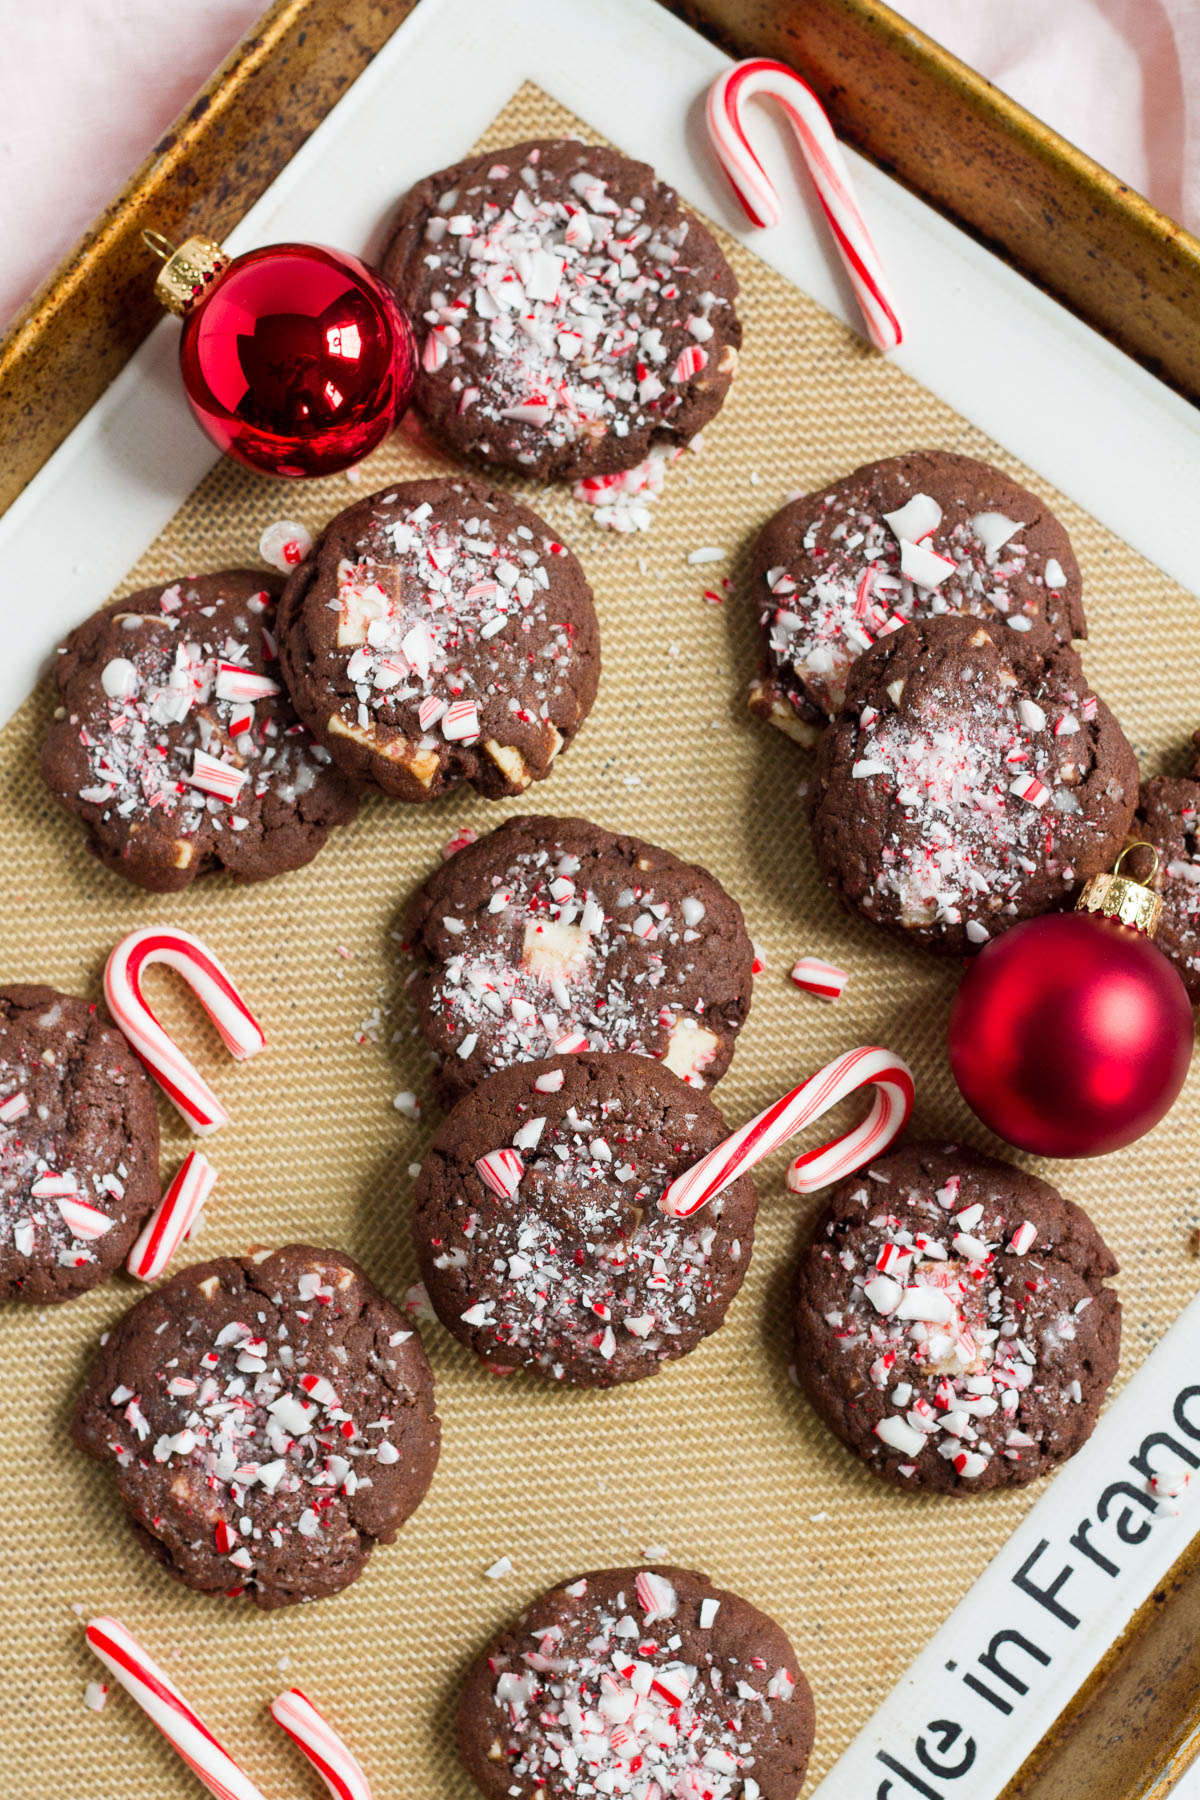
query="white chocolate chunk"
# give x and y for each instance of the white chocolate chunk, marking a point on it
(552, 949)
(690, 1049)
(509, 761)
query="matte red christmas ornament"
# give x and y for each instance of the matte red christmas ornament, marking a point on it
(296, 359)
(1071, 1035)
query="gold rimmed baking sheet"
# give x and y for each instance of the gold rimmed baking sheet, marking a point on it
(717, 1461)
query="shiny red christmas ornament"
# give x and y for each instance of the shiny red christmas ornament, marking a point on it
(1071, 1035)
(296, 359)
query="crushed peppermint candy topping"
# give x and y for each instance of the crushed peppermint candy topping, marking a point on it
(259, 1425)
(573, 949)
(562, 315)
(597, 1695)
(862, 574)
(623, 501)
(449, 627)
(966, 1330)
(570, 1263)
(982, 794)
(184, 725)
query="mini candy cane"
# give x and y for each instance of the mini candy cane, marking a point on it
(240, 1032)
(339, 1770)
(868, 1066)
(173, 1217)
(161, 1700)
(826, 165)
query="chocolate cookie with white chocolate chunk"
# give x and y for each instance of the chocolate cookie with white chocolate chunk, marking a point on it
(952, 1323)
(78, 1146)
(269, 1420)
(440, 634)
(537, 1225)
(654, 1680)
(571, 313)
(176, 744)
(973, 779)
(1168, 819)
(549, 931)
(911, 537)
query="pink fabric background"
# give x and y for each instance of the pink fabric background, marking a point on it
(86, 86)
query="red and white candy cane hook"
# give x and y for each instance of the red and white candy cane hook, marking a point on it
(338, 1768)
(827, 166)
(889, 1114)
(162, 1702)
(179, 1079)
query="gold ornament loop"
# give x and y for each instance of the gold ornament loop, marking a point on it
(1120, 897)
(161, 247)
(1131, 846)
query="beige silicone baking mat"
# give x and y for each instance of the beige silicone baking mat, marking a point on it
(716, 1463)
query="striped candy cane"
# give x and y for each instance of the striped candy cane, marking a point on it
(179, 1079)
(866, 1067)
(162, 1702)
(338, 1768)
(173, 1217)
(823, 154)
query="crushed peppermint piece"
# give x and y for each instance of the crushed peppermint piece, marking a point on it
(824, 979)
(285, 544)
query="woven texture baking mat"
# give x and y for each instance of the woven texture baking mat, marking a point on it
(716, 1462)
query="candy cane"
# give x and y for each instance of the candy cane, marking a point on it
(161, 1700)
(868, 1066)
(338, 1768)
(173, 1217)
(179, 1079)
(826, 165)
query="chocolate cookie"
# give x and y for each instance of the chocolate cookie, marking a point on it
(269, 1421)
(537, 1224)
(911, 537)
(952, 1324)
(437, 634)
(641, 1682)
(176, 744)
(552, 928)
(570, 312)
(1168, 817)
(972, 780)
(78, 1146)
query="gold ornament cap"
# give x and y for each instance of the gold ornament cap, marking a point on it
(1120, 897)
(186, 272)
